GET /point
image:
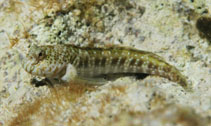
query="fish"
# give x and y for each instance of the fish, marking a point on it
(66, 61)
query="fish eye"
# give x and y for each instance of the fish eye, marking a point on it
(40, 55)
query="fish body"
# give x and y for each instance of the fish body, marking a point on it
(52, 62)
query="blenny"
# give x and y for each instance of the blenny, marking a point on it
(62, 61)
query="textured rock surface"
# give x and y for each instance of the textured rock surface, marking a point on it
(166, 28)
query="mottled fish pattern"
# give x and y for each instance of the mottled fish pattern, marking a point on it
(51, 62)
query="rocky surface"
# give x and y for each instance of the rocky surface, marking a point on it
(166, 28)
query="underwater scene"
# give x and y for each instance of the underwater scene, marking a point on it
(105, 62)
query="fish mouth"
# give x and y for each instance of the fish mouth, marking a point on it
(25, 58)
(27, 61)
